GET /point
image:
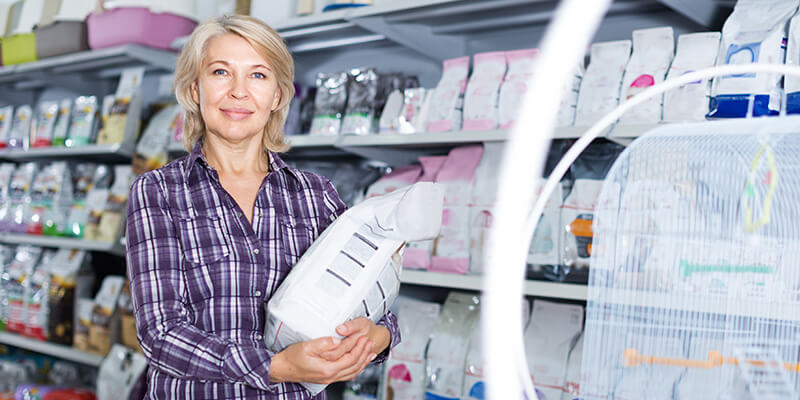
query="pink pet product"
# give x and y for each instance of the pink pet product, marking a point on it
(398, 178)
(418, 254)
(515, 85)
(480, 100)
(447, 103)
(136, 25)
(452, 246)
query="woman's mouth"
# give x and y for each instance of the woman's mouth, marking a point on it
(236, 114)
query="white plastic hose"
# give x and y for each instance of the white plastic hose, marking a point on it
(563, 47)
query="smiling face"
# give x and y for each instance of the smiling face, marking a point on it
(236, 90)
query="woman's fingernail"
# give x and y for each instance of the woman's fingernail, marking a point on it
(372, 357)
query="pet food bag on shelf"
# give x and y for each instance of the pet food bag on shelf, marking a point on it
(329, 103)
(690, 102)
(448, 346)
(791, 83)
(515, 85)
(448, 98)
(549, 338)
(418, 254)
(480, 100)
(600, 87)
(45, 124)
(452, 247)
(19, 197)
(6, 121)
(37, 290)
(753, 33)
(353, 269)
(484, 197)
(566, 111)
(21, 128)
(151, 151)
(652, 54)
(404, 371)
(577, 215)
(61, 129)
(545, 248)
(412, 118)
(361, 90)
(6, 172)
(572, 384)
(15, 286)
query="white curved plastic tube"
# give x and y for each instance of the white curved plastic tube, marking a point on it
(564, 44)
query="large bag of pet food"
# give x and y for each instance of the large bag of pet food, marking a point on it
(652, 54)
(690, 102)
(404, 371)
(791, 83)
(753, 33)
(600, 87)
(418, 254)
(549, 338)
(448, 346)
(448, 98)
(353, 269)
(452, 247)
(480, 100)
(484, 197)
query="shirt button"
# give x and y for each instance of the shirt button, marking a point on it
(256, 251)
(259, 337)
(258, 293)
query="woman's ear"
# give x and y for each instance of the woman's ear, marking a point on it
(276, 99)
(195, 92)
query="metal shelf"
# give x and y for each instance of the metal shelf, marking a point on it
(473, 282)
(94, 60)
(59, 242)
(52, 349)
(97, 151)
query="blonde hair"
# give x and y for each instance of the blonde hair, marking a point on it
(267, 42)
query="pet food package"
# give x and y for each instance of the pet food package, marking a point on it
(480, 100)
(690, 102)
(6, 172)
(448, 346)
(124, 105)
(577, 215)
(52, 207)
(389, 121)
(83, 320)
(448, 98)
(329, 103)
(411, 118)
(484, 197)
(89, 201)
(365, 385)
(400, 177)
(572, 383)
(600, 87)
(515, 85)
(68, 281)
(20, 133)
(753, 33)
(361, 91)
(404, 370)
(452, 247)
(45, 124)
(652, 54)
(791, 83)
(353, 268)
(15, 286)
(417, 254)
(549, 338)
(19, 197)
(6, 121)
(566, 111)
(104, 327)
(546, 243)
(151, 151)
(7, 253)
(36, 298)
(107, 229)
(61, 128)
(120, 375)
(82, 121)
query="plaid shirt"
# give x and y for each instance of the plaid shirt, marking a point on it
(201, 275)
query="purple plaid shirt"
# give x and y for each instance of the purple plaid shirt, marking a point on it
(201, 275)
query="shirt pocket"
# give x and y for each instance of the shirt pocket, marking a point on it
(204, 239)
(297, 236)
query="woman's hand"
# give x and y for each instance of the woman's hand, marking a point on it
(312, 361)
(355, 328)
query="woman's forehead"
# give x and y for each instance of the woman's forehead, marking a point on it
(230, 48)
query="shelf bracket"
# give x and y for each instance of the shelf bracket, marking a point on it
(416, 37)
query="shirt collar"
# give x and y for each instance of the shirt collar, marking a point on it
(275, 161)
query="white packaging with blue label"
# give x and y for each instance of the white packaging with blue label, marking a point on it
(753, 33)
(791, 83)
(690, 102)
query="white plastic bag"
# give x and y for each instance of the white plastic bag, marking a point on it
(600, 87)
(690, 102)
(353, 269)
(652, 54)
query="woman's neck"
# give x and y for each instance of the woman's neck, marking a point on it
(245, 158)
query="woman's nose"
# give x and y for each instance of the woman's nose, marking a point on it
(239, 88)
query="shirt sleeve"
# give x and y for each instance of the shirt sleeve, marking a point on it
(158, 290)
(334, 207)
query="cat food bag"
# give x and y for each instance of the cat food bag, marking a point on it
(600, 87)
(418, 253)
(61, 128)
(329, 103)
(410, 119)
(110, 226)
(753, 33)
(36, 298)
(480, 100)
(448, 97)
(484, 197)
(19, 197)
(690, 102)
(45, 124)
(549, 338)
(151, 151)
(652, 54)
(7, 254)
(20, 134)
(515, 85)
(6, 172)
(15, 285)
(361, 91)
(448, 346)
(566, 111)
(83, 121)
(577, 215)
(404, 370)
(89, 199)
(452, 247)
(6, 121)
(353, 269)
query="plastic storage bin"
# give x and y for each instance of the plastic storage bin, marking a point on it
(19, 49)
(136, 25)
(61, 37)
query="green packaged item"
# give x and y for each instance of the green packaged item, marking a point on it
(89, 199)
(62, 124)
(45, 123)
(19, 48)
(82, 125)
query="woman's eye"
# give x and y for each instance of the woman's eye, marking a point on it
(220, 72)
(259, 75)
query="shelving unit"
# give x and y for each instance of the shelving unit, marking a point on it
(51, 349)
(58, 242)
(475, 282)
(100, 152)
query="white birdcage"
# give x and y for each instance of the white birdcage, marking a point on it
(694, 290)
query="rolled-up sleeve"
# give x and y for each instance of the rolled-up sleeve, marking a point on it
(334, 207)
(171, 343)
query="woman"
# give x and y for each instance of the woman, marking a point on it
(212, 235)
